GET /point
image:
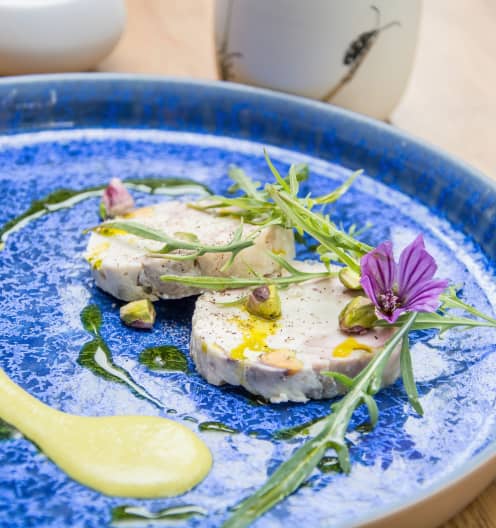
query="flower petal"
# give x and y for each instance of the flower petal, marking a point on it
(399, 311)
(419, 288)
(416, 289)
(426, 298)
(416, 266)
(368, 288)
(379, 266)
(390, 318)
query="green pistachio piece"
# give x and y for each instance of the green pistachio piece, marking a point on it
(349, 279)
(138, 314)
(357, 316)
(264, 302)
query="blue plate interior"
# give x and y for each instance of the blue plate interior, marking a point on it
(46, 284)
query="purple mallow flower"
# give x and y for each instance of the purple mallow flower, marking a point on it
(116, 199)
(407, 286)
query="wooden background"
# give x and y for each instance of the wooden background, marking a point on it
(450, 102)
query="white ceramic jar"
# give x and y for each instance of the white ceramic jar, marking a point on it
(39, 36)
(357, 54)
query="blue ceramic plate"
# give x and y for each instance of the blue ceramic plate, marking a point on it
(79, 131)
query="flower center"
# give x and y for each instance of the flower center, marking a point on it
(388, 301)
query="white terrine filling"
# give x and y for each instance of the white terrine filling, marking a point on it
(284, 360)
(121, 264)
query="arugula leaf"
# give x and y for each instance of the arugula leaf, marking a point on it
(291, 474)
(408, 378)
(171, 244)
(437, 321)
(450, 299)
(225, 283)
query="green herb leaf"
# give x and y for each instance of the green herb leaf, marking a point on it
(240, 301)
(342, 378)
(334, 195)
(189, 237)
(289, 476)
(243, 183)
(280, 180)
(437, 321)
(225, 283)
(372, 408)
(451, 300)
(294, 184)
(172, 244)
(407, 376)
(319, 227)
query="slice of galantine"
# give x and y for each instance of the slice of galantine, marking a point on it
(283, 360)
(123, 265)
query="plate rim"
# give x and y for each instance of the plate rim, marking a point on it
(384, 127)
(482, 467)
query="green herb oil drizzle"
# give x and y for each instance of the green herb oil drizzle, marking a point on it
(169, 186)
(122, 515)
(7, 431)
(329, 464)
(364, 428)
(167, 357)
(96, 356)
(306, 429)
(292, 432)
(65, 198)
(217, 427)
(251, 399)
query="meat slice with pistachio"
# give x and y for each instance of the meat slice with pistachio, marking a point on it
(283, 358)
(124, 265)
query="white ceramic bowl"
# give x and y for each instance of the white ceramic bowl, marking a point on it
(38, 36)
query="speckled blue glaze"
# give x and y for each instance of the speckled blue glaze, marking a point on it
(131, 127)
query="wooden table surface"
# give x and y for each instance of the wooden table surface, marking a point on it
(450, 102)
